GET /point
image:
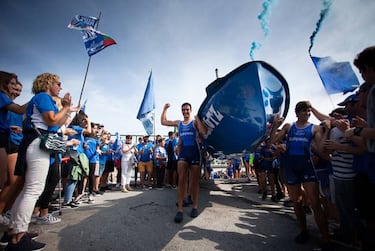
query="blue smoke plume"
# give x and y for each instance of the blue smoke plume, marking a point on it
(323, 14)
(263, 17)
(254, 46)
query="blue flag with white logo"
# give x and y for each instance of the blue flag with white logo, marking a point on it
(145, 113)
(336, 76)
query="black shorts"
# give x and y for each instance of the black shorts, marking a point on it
(172, 165)
(12, 148)
(4, 139)
(109, 166)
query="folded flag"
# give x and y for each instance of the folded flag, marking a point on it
(336, 76)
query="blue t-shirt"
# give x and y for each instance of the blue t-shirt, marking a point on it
(79, 136)
(90, 151)
(15, 120)
(39, 104)
(4, 122)
(146, 156)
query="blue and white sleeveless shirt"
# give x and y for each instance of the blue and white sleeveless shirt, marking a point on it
(187, 134)
(299, 140)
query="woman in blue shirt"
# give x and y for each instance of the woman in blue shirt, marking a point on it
(33, 163)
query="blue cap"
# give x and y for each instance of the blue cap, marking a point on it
(351, 98)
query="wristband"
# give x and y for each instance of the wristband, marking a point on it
(357, 131)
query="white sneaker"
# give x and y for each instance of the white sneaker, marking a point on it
(49, 219)
(91, 199)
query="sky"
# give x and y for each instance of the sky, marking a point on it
(182, 42)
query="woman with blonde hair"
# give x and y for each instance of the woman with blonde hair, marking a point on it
(33, 163)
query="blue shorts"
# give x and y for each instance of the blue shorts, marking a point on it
(299, 169)
(101, 169)
(190, 154)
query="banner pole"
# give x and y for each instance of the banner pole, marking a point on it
(88, 65)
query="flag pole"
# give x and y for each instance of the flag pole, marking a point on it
(88, 65)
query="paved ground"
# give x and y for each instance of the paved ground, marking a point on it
(232, 217)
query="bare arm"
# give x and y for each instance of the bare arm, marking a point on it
(17, 108)
(320, 116)
(278, 136)
(52, 119)
(164, 120)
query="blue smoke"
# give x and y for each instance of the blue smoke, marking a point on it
(323, 14)
(254, 46)
(263, 17)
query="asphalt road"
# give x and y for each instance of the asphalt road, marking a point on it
(231, 217)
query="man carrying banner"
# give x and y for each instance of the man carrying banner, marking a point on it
(189, 131)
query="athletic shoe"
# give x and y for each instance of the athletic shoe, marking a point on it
(4, 220)
(49, 219)
(97, 193)
(71, 204)
(91, 199)
(25, 244)
(178, 218)
(302, 237)
(6, 237)
(194, 213)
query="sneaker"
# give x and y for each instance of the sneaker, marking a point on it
(91, 199)
(49, 219)
(178, 218)
(6, 237)
(71, 204)
(97, 193)
(128, 188)
(4, 220)
(27, 244)
(302, 237)
(194, 213)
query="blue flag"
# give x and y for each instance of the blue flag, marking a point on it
(96, 41)
(145, 113)
(80, 22)
(336, 76)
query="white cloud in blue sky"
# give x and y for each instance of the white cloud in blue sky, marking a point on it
(182, 42)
